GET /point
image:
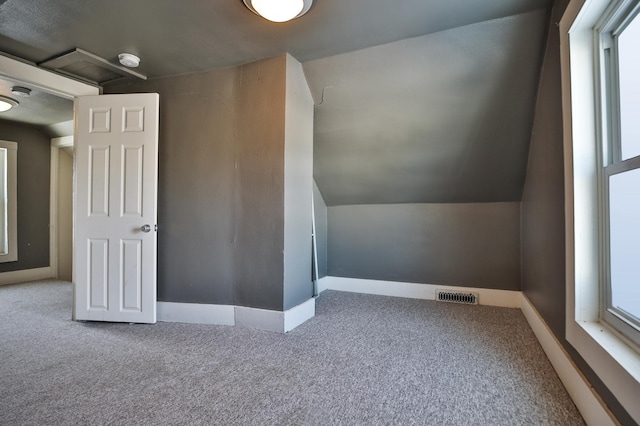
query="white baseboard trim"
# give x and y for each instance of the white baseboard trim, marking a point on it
(26, 275)
(195, 313)
(299, 314)
(263, 319)
(490, 297)
(279, 322)
(589, 403)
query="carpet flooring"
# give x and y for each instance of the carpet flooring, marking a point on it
(362, 360)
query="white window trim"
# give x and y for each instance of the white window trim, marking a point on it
(12, 196)
(615, 363)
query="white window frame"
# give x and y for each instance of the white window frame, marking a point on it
(615, 362)
(610, 162)
(9, 194)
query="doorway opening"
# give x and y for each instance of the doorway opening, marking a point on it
(53, 86)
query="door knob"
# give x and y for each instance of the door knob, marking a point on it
(145, 228)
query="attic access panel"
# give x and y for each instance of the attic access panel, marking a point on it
(88, 67)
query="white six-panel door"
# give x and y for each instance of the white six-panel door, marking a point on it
(115, 243)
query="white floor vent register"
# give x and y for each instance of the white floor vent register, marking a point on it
(466, 298)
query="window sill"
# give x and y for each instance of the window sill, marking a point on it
(617, 364)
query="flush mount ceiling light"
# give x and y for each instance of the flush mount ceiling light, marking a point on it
(279, 10)
(7, 103)
(129, 60)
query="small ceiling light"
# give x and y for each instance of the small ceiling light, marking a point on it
(7, 103)
(129, 60)
(25, 92)
(279, 10)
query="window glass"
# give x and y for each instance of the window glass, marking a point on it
(629, 74)
(624, 240)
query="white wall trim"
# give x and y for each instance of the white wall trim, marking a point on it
(25, 275)
(323, 284)
(56, 145)
(589, 403)
(11, 186)
(62, 142)
(277, 321)
(299, 314)
(45, 79)
(490, 297)
(195, 313)
(263, 319)
(53, 210)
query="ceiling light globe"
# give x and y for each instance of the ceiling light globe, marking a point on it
(7, 103)
(278, 10)
(5, 106)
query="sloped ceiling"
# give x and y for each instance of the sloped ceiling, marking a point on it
(440, 118)
(418, 100)
(174, 37)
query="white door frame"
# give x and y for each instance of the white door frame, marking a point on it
(53, 210)
(45, 80)
(60, 86)
(56, 145)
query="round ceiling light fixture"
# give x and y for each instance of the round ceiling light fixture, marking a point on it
(129, 60)
(279, 10)
(7, 103)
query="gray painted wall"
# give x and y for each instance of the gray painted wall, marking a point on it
(543, 262)
(221, 185)
(475, 245)
(258, 255)
(320, 213)
(543, 238)
(196, 186)
(34, 157)
(221, 199)
(298, 186)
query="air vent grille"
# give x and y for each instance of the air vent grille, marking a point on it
(88, 67)
(466, 298)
